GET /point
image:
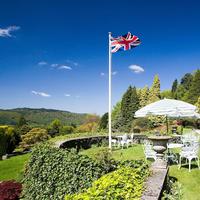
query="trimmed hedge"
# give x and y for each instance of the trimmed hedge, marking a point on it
(52, 172)
(124, 183)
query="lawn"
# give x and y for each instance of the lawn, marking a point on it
(190, 181)
(131, 153)
(12, 168)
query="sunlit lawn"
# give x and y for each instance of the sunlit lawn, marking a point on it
(131, 153)
(12, 168)
(190, 181)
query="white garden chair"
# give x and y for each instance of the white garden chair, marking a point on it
(114, 142)
(125, 141)
(148, 150)
(189, 152)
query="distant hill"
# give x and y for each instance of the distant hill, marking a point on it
(40, 116)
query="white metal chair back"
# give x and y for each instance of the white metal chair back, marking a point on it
(124, 137)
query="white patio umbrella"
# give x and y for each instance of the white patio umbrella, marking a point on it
(168, 108)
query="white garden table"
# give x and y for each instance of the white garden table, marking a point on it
(172, 156)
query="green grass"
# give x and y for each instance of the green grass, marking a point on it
(12, 168)
(132, 153)
(75, 135)
(190, 181)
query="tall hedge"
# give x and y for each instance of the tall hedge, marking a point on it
(9, 139)
(51, 173)
(3, 142)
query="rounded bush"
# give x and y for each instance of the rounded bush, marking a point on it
(10, 190)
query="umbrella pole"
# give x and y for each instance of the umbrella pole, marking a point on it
(167, 124)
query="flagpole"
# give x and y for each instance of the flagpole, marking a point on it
(110, 93)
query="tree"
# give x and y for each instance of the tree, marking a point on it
(154, 93)
(116, 111)
(174, 88)
(9, 139)
(103, 122)
(130, 104)
(54, 127)
(117, 117)
(87, 127)
(182, 91)
(143, 97)
(92, 118)
(186, 81)
(22, 121)
(198, 104)
(194, 90)
(13, 139)
(3, 142)
(33, 137)
(166, 94)
(67, 130)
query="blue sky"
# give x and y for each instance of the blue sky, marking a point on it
(54, 54)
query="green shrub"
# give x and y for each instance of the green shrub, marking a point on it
(124, 183)
(67, 130)
(104, 158)
(13, 139)
(52, 172)
(9, 139)
(173, 190)
(3, 142)
(142, 124)
(34, 136)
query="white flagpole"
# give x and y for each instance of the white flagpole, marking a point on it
(110, 92)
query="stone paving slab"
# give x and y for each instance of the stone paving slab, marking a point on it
(154, 184)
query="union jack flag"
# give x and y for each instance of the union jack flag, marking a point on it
(126, 42)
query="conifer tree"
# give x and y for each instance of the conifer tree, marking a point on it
(154, 93)
(130, 104)
(194, 90)
(198, 104)
(143, 97)
(174, 89)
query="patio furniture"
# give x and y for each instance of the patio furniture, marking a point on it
(148, 150)
(189, 152)
(125, 141)
(171, 156)
(114, 142)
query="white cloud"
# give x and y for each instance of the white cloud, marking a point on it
(114, 73)
(6, 32)
(54, 65)
(71, 62)
(136, 69)
(102, 74)
(65, 67)
(68, 95)
(42, 94)
(42, 63)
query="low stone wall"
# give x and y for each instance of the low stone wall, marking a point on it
(87, 142)
(155, 184)
(4, 157)
(83, 142)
